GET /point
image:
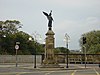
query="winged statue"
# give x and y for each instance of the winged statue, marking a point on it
(49, 17)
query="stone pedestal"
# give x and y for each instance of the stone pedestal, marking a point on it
(50, 60)
(49, 50)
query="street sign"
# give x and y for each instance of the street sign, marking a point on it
(16, 46)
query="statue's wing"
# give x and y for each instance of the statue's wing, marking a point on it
(45, 13)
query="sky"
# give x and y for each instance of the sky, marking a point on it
(74, 17)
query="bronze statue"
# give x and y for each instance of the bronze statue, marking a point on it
(49, 17)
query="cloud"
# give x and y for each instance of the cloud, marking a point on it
(75, 28)
(73, 3)
(68, 25)
(93, 20)
(70, 16)
(75, 25)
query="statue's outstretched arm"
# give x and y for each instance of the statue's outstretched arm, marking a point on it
(50, 13)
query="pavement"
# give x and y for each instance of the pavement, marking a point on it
(31, 66)
(28, 69)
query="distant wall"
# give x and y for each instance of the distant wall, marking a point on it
(60, 58)
(21, 58)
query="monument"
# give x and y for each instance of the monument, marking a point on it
(49, 60)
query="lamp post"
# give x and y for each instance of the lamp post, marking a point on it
(67, 38)
(30, 39)
(35, 57)
(35, 39)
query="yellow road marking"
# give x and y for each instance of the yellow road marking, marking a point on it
(46, 72)
(49, 72)
(96, 72)
(74, 72)
(17, 73)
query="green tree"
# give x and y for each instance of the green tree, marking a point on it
(92, 42)
(39, 48)
(9, 28)
(61, 50)
(22, 37)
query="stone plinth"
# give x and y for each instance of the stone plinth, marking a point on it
(49, 50)
(50, 60)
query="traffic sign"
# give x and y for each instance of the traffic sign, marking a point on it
(16, 46)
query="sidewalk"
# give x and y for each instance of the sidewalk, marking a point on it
(31, 66)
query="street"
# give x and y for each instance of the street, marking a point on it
(22, 70)
(19, 71)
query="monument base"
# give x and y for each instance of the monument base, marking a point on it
(50, 66)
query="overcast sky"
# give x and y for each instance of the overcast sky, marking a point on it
(73, 17)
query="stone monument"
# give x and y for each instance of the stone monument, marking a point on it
(49, 60)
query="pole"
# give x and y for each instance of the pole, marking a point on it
(67, 54)
(85, 59)
(16, 58)
(35, 38)
(35, 60)
(17, 47)
(35, 57)
(85, 55)
(67, 39)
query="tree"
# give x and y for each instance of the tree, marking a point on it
(22, 37)
(92, 42)
(9, 28)
(61, 50)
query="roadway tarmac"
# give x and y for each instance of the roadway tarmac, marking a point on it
(27, 69)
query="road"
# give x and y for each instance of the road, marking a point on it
(22, 71)
(27, 69)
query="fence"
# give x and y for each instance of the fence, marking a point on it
(79, 58)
